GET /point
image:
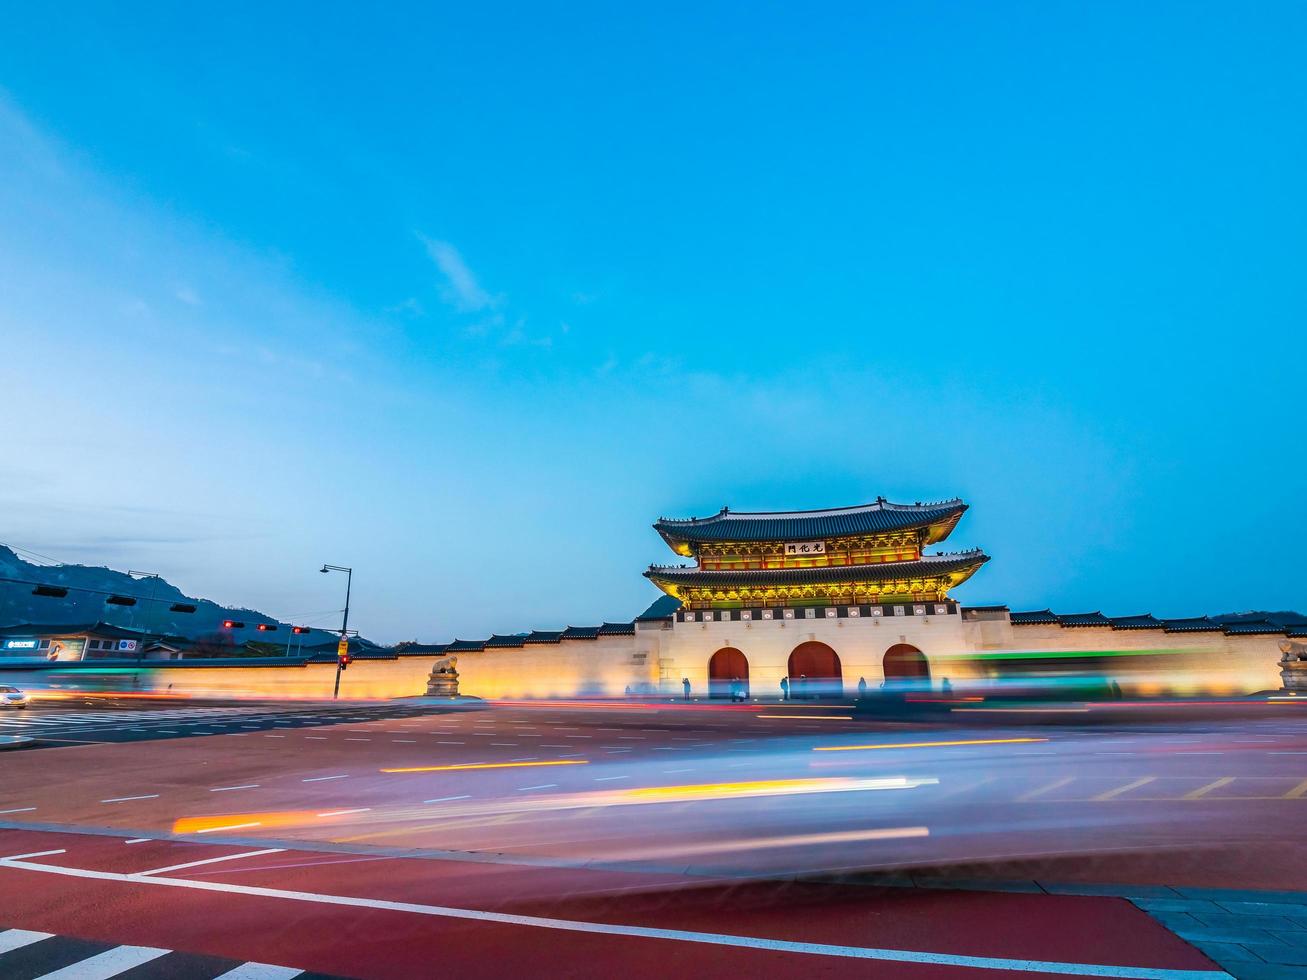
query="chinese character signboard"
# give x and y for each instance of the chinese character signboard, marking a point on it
(805, 548)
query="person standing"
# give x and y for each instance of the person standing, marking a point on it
(862, 687)
(685, 686)
(785, 688)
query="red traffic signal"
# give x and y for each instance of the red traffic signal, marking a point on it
(344, 660)
(232, 624)
(299, 629)
(266, 627)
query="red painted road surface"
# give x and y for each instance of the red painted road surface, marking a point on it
(357, 940)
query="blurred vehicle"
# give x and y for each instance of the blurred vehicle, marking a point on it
(12, 697)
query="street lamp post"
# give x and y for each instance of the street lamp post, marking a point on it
(344, 623)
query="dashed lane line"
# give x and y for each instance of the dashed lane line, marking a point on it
(128, 799)
(323, 779)
(1035, 793)
(1202, 791)
(1112, 794)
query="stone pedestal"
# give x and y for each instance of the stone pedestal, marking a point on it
(443, 680)
(1293, 666)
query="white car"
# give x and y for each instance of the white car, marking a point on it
(12, 697)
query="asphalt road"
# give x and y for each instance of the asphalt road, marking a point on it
(690, 819)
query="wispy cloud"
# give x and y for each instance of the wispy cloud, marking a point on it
(460, 288)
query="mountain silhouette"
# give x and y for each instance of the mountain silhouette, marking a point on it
(88, 587)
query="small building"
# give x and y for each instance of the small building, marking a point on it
(65, 642)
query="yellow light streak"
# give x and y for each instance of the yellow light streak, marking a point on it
(764, 787)
(926, 745)
(492, 765)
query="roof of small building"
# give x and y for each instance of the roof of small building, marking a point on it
(793, 525)
(927, 565)
(498, 641)
(100, 629)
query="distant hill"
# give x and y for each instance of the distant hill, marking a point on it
(1282, 618)
(18, 604)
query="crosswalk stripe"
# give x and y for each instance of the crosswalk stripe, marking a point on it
(260, 971)
(18, 938)
(110, 963)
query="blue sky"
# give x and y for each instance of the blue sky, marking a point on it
(466, 297)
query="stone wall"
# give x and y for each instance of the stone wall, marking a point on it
(660, 654)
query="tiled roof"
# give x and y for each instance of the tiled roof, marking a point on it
(544, 636)
(688, 575)
(794, 525)
(1251, 629)
(1084, 619)
(498, 641)
(985, 608)
(1145, 622)
(1299, 630)
(581, 633)
(465, 646)
(1039, 617)
(1198, 624)
(617, 629)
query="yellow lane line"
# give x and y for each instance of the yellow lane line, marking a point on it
(925, 745)
(1297, 793)
(1202, 791)
(491, 765)
(1112, 794)
(1056, 784)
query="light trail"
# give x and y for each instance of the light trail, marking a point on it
(926, 745)
(491, 765)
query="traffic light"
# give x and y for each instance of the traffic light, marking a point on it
(121, 600)
(232, 624)
(266, 627)
(344, 660)
(299, 629)
(53, 591)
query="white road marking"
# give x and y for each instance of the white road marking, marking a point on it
(228, 789)
(645, 932)
(225, 857)
(260, 971)
(125, 799)
(358, 740)
(341, 813)
(446, 799)
(108, 964)
(18, 938)
(33, 854)
(322, 779)
(607, 779)
(139, 840)
(523, 789)
(20, 809)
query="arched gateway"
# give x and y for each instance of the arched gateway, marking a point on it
(904, 663)
(725, 665)
(815, 671)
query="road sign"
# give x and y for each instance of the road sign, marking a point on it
(342, 647)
